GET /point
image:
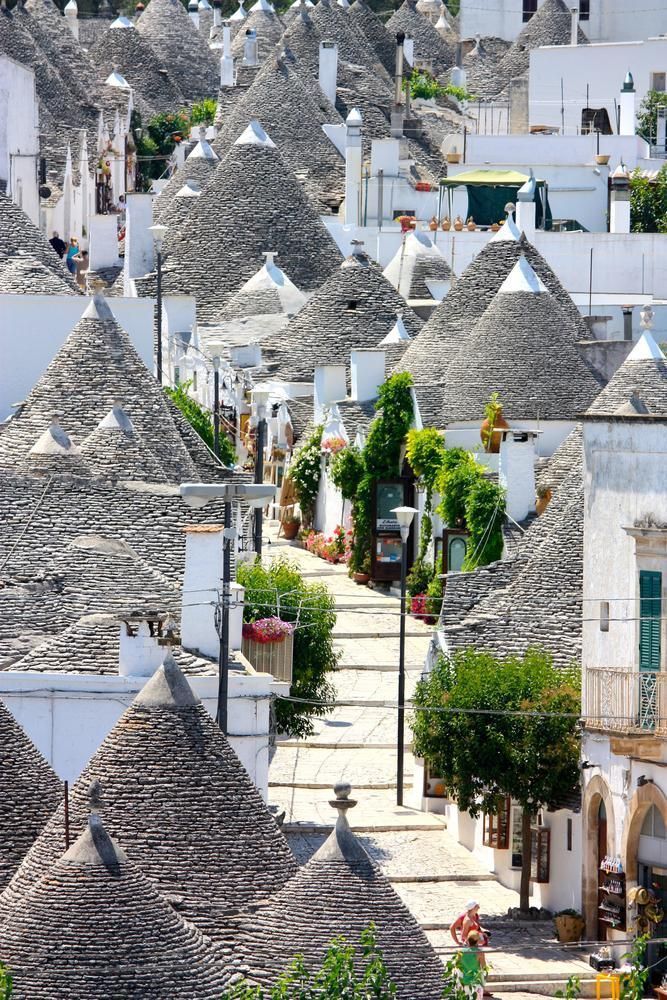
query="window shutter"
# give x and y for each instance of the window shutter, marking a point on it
(650, 613)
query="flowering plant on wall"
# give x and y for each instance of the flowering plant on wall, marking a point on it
(334, 548)
(267, 630)
(332, 445)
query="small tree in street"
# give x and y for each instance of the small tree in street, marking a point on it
(494, 727)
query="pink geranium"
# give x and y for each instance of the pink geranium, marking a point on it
(267, 630)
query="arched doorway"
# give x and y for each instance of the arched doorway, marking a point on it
(599, 841)
(646, 855)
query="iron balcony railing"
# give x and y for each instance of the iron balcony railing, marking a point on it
(628, 701)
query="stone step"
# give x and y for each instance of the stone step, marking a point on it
(383, 826)
(544, 986)
(390, 668)
(316, 785)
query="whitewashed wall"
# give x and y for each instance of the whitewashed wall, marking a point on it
(19, 135)
(609, 20)
(34, 327)
(330, 510)
(68, 715)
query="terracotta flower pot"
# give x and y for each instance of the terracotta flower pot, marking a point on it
(361, 577)
(446, 224)
(492, 446)
(602, 159)
(471, 225)
(433, 224)
(291, 529)
(458, 224)
(453, 157)
(569, 928)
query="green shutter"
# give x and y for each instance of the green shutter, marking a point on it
(650, 612)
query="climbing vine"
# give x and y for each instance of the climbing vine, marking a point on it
(469, 498)
(304, 471)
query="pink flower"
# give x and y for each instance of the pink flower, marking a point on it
(267, 630)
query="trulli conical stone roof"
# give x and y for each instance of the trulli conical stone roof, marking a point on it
(417, 261)
(170, 32)
(428, 43)
(338, 893)
(97, 927)
(19, 235)
(24, 275)
(334, 24)
(523, 348)
(29, 792)
(293, 114)
(48, 27)
(267, 293)
(126, 49)
(356, 308)
(198, 167)
(643, 375)
(181, 804)
(115, 451)
(96, 365)
(55, 454)
(269, 29)
(428, 357)
(253, 203)
(382, 41)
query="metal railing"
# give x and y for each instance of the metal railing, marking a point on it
(628, 701)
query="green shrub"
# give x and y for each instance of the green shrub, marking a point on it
(419, 577)
(6, 983)
(203, 112)
(279, 589)
(347, 468)
(458, 474)
(200, 420)
(484, 515)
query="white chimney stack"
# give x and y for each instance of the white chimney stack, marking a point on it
(193, 11)
(226, 60)
(139, 244)
(516, 472)
(139, 652)
(202, 590)
(574, 26)
(72, 17)
(409, 51)
(330, 385)
(217, 13)
(526, 207)
(250, 57)
(353, 160)
(328, 70)
(619, 208)
(367, 373)
(627, 124)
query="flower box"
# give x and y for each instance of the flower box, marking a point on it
(268, 645)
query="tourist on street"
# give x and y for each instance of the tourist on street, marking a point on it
(72, 251)
(473, 964)
(466, 922)
(58, 245)
(82, 265)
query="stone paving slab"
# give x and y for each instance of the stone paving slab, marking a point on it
(376, 810)
(306, 767)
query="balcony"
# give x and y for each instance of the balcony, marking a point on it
(625, 701)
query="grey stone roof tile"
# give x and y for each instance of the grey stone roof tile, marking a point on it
(376, 32)
(126, 50)
(195, 822)
(643, 376)
(94, 899)
(19, 236)
(338, 893)
(429, 46)
(269, 28)
(29, 792)
(25, 275)
(165, 25)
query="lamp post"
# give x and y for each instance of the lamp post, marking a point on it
(198, 495)
(260, 398)
(404, 516)
(158, 233)
(216, 405)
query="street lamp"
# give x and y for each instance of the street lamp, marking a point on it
(197, 495)
(260, 398)
(404, 516)
(158, 234)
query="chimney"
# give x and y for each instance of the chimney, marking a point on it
(142, 644)
(367, 373)
(627, 322)
(627, 124)
(250, 48)
(526, 207)
(217, 13)
(72, 17)
(353, 161)
(516, 472)
(330, 385)
(619, 209)
(193, 12)
(409, 52)
(574, 25)
(202, 589)
(139, 244)
(227, 78)
(328, 70)
(398, 89)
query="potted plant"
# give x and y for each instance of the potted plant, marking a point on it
(454, 156)
(544, 495)
(291, 524)
(433, 224)
(458, 223)
(602, 159)
(569, 925)
(363, 575)
(268, 644)
(471, 225)
(493, 423)
(495, 226)
(406, 222)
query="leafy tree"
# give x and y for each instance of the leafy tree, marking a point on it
(647, 116)
(203, 112)
(336, 980)
(648, 202)
(201, 420)
(279, 589)
(6, 983)
(490, 740)
(484, 516)
(347, 468)
(304, 471)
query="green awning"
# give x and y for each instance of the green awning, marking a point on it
(491, 178)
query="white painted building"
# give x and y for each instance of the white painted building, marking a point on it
(600, 20)
(592, 77)
(19, 136)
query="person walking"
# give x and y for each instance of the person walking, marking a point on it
(58, 245)
(72, 251)
(81, 262)
(466, 922)
(473, 965)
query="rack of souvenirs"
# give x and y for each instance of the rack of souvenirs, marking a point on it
(612, 893)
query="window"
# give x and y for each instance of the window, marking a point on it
(654, 825)
(569, 834)
(351, 305)
(540, 851)
(177, 375)
(584, 10)
(659, 82)
(650, 615)
(517, 837)
(529, 8)
(496, 827)
(604, 616)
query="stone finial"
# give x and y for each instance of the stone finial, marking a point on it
(95, 795)
(342, 802)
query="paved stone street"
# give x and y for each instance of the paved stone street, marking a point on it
(431, 871)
